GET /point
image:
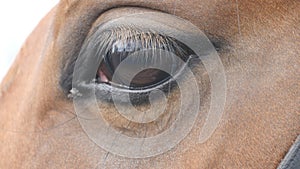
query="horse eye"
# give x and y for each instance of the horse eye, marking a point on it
(147, 43)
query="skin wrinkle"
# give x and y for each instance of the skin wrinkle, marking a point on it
(252, 133)
(238, 16)
(175, 5)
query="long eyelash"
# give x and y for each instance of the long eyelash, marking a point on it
(149, 40)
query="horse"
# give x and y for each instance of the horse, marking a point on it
(258, 45)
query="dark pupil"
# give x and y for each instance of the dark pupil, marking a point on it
(148, 77)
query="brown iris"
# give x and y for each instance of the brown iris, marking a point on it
(147, 78)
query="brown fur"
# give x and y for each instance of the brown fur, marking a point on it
(261, 118)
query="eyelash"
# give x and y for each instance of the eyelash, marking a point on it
(150, 40)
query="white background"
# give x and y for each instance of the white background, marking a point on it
(17, 20)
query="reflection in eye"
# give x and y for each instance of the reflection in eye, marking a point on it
(122, 42)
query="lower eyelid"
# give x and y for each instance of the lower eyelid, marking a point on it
(103, 92)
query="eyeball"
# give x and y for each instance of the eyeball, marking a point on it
(124, 43)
